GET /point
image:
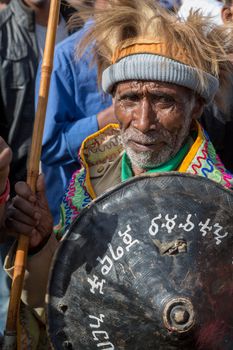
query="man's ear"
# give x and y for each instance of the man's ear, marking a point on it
(198, 107)
(227, 14)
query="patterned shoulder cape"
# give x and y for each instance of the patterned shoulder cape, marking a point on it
(201, 160)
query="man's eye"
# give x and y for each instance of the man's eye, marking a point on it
(163, 99)
(130, 98)
(166, 99)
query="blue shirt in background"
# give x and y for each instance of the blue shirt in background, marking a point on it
(73, 104)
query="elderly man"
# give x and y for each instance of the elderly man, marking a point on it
(161, 74)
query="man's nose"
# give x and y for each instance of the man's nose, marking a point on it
(144, 117)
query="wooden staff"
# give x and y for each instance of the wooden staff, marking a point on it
(33, 171)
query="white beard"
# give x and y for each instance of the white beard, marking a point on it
(151, 159)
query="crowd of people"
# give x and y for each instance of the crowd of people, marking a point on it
(166, 95)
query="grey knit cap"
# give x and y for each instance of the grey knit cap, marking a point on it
(159, 68)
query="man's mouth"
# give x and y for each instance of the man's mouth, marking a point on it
(145, 146)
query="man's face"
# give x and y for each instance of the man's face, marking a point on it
(155, 120)
(227, 13)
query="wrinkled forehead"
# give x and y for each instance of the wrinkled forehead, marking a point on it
(152, 86)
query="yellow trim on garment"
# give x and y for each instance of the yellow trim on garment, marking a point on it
(182, 169)
(91, 137)
(193, 150)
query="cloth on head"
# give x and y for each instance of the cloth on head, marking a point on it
(140, 40)
(158, 68)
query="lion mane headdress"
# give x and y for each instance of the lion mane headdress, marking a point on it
(140, 40)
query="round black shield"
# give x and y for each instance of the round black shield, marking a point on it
(149, 265)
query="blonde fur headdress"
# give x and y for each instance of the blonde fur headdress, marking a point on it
(138, 39)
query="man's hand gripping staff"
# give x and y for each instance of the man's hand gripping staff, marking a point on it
(29, 214)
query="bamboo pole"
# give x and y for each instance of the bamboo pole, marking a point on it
(33, 171)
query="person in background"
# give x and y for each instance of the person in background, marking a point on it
(76, 108)
(171, 5)
(217, 118)
(227, 12)
(220, 125)
(5, 159)
(208, 8)
(3, 4)
(22, 36)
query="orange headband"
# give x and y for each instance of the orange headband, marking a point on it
(151, 46)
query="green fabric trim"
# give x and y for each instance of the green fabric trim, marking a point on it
(172, 164)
